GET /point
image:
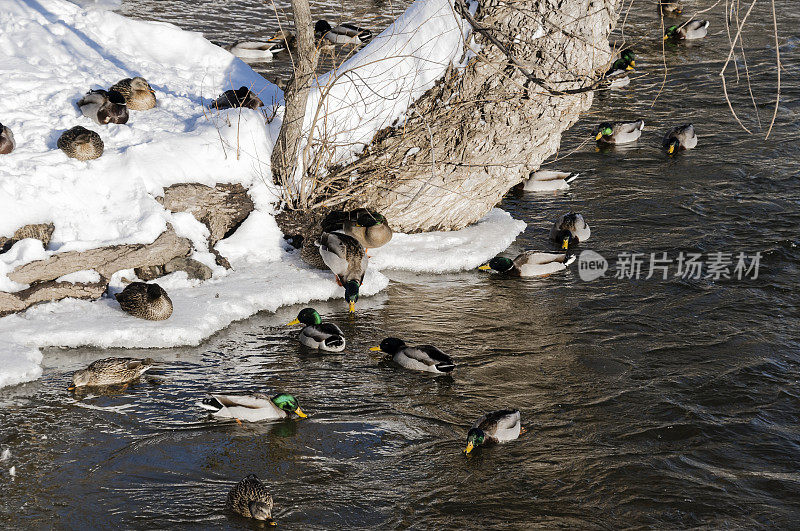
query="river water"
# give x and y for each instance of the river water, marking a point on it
(649, 402)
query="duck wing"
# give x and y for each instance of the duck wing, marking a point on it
(500, 425)
(429, 356)
(250, 401)
(334, 252)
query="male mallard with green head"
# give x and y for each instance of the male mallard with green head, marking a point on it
(495, 427)
(617, 75)
(569, 230)
(619, 132)
(252, 407)
(531, 263)
(692, 30)
(319, 335)
(680, 138)
(347, 259)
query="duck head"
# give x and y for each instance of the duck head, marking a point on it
(307, 316)
(498, 263)
(370, 219)
(671, 32)
(604, 129)
(351, 293)
(140, 84)
(260, 510)
(629, 57)
(322, 27)
(390, 345)
(288, 403)
(153, 292)
(80, 378)
(475, 438)
(673, 146)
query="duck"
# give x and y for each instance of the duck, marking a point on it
(251, 498)
(7, 143)
(111, 371)
(145, 301)
(81, 143)
(495, 427)
(425, 358)
(252, 407)
(104, 107)
(619, 132)
(348, 260)
(241, 97)
(548, 180)
(530, 264)
(255, 51)
(570, 229)
(342, 34)
(138, 93)
(692, 30)
(319, 335)
(670, 7)
(680, 138)
(617, 75)
(369, 228)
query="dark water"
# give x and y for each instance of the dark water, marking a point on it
(649, 403)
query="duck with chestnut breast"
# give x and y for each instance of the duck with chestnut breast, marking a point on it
(251, 498)
(7, 143)
(531, 263)
(494, 427)
(619, 132)
(252, 407)
(347, 259)
(104, 107)
(342, 34)
(680, 138)
(145, 301)
(111, 371)
(80, 143)
(689, 31)
(138, 93)
(569, 230)
(319, 335)
(241, 97)
(425, 358)
(368, 227)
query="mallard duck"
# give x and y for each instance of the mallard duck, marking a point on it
(145, 301)
(251, 499)
(670, 7)
(680, 138)
(496, 427)
(252, 407)
(80, 143)
(241, 97)
(694, 29)
(7, 143)
(342, 34)
(347, 259)
(425, 358)
(256, 51)
(319, 335)
(619, 132)
(137, 92)
(570, 229)
(111, 371)
(531, 263)
(548, 180)
(104, 107)
(617, 75)
(368, 227)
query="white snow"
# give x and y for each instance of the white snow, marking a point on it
(80, 277)
(54, 51)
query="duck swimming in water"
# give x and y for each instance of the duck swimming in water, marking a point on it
(252, 407)
(319, 335)
(619, 132)
(111, 371)
(251, 498)
(692, 30)
(569, 230)
(680, 138)
(425, 358)
(531, 263)
(495, 427)
(548, 181)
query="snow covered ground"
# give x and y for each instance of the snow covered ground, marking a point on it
(54, 51)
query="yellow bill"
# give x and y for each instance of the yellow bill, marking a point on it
(629, 67)
(71, 388)
(565, 243)
(296, 321)
(375, 349)
(633, 63)
(299, 413)
(469, 448)
(484, 267)
(352, 307)
(599, 136)
(666, 37)
(671, 149)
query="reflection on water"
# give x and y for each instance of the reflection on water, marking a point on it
(648, 403)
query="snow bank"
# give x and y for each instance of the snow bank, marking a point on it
(18, 363)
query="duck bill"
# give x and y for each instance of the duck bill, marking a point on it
(599, 136)
(666, 37)
(299, 413)
(671, 150)
(296, 321)
(71, 388)
(630, 66)
(469, 448)
(484, 267)
(565, 244)
(352, 307)
(375, 349)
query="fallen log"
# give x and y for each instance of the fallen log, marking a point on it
(49, 291)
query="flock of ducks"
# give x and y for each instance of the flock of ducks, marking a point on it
(343, 245)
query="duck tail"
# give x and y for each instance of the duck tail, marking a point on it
(571, 178)
(335, 342)
(210, 403)
(445, 366)
(365, 36)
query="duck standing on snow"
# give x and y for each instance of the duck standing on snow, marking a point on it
(570, 229)
(145, 301)
(531, 264)
(80, 143)
(425, 358)
(137, 93)
(104, 107)
(692, 30)
(111, 371)
(680, 138)
(7, 143)
(319, 335)
(252, 407)
(347, 259)
(496, 427)
(368, 227)
(342, 34)
(619, 132)
(241, 97)
(251, 499)
(617, 75)
(548, 180)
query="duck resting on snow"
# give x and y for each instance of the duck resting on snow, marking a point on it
(251, 498)
(341, 34)
(111, 371)
(104, 107)
(347, 259)
(319, 335)
(369, 228)
(495, 427)
(7, 143)
(145, 301)
(569, 230)
(692, 30)
(138, 93)
(241, 97)
(680, 138)
(619, 132)
(425, 358)
(252, 407)
(80, 143)
(531, 263)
